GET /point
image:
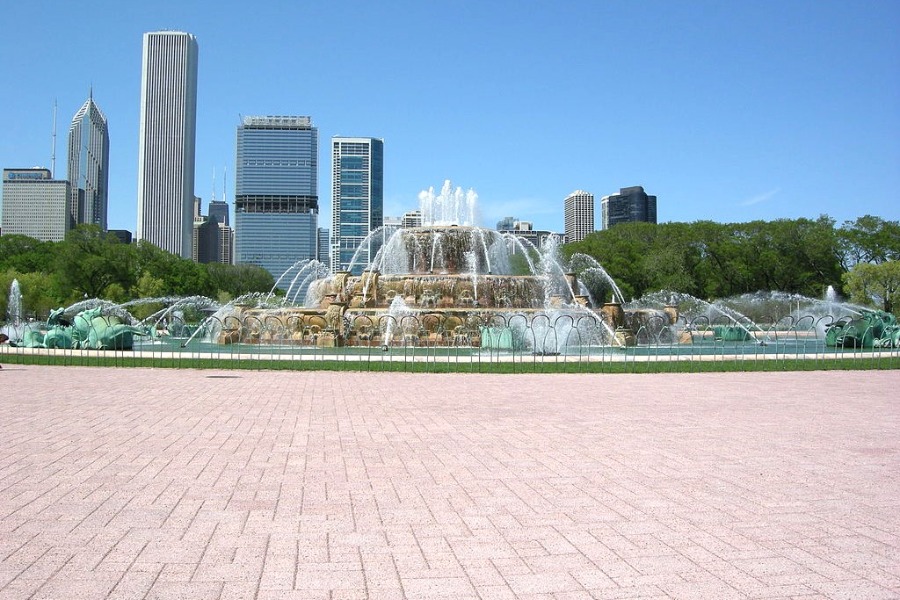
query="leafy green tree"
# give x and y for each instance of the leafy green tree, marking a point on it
(180, 276)
(25, 254)
(89, 261)
(148, 286)
(237, 280)
(875, 284)
(869, 239)
(40, 293)
(715, 260)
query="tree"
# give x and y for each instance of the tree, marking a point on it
(869, 239)
(237, 280)
(180, 276)
(874, 284)
(25, 254)
(89, 261)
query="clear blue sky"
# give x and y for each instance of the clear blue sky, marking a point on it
(726, 110)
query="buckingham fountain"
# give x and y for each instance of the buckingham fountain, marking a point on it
(451, 283)
(447, 282)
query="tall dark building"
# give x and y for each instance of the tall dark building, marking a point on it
(219, 210)
(629, 205)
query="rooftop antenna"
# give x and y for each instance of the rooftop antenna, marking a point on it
(225, 186)
(214, 186)
(53, 143)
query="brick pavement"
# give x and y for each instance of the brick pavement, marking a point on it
(142, 483)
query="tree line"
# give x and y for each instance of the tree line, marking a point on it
(717, 260)
(860, 259)
(90, 263)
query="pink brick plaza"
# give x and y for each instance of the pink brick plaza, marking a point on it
(162, 483)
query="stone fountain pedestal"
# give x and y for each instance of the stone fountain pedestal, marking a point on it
(614, 316)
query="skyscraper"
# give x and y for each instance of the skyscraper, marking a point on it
(323, 247)
(276, 199)
(357, 189)
(88, 165)
(167, 138)
(34, 204)
(579, 215)
(629, 205)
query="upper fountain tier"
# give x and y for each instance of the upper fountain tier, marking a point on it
(451, 206)
(445, 250)
(448, 242)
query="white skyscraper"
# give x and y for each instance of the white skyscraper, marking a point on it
(579, 215)
(167, 138)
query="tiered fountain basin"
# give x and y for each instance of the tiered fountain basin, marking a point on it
(435, 285)
(393, 310)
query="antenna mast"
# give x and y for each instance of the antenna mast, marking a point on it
(53, 143)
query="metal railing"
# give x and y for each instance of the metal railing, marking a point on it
(436, 341)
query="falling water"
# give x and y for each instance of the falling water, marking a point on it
(589, 270)
(472, 264)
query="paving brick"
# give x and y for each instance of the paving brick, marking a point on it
(163, 483)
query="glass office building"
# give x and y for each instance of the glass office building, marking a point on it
(631, 204)
(357, 190)
(88, 166)
(276, 201)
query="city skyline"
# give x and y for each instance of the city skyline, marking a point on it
(727, 112)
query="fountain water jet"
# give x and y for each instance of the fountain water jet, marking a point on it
(456, 278)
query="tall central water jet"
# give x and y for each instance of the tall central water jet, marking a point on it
(453, 278)
(451, 206)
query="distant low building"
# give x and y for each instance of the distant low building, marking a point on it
(35, 204)
(124, 236)
(412, 218)
(526, 231)
(630, 205)
(506, 223)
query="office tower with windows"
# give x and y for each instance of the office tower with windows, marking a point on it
(579, 215)
(219, 210)
(357, 191)
(88, 166)
(323, 247)
(34, 204)
(631, 204)
(276, 200)
(411, 218)
(167, 139)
